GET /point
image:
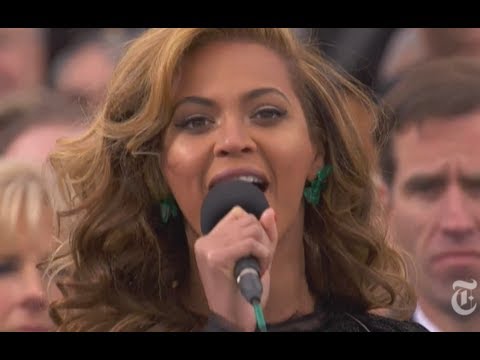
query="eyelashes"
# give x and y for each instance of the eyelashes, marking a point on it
(8, 266)
(200, 123)
(195, 124)
(268, 114)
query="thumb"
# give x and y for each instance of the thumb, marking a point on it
(269, 223)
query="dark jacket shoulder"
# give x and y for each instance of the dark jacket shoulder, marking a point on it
(370, 323)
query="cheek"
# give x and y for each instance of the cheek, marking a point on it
(184, 169)
(295, 159)
(291, 159)
(53, 292)
(403, 229)
(409, 222)
(181, 165)
(6, 299)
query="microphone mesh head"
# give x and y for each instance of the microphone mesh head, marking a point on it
(225, 196)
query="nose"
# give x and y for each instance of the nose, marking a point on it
(457, 221)
(234, 139)
(32, 289)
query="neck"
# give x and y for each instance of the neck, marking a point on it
(289, 294)
(445, 319)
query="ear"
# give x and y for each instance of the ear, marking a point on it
(384, 192)
(317, 164)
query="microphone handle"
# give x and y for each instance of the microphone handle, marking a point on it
(247, 276)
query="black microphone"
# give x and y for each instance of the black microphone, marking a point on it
(218, 202)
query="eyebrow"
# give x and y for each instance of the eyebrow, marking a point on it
(471, 180)
(195, 100)
(420, 181)
(249, 96)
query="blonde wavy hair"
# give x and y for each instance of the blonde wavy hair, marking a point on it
(122, 264)
(23, 195)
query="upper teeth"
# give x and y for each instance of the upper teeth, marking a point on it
(249, 178)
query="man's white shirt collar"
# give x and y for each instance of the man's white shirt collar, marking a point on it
(420, 317)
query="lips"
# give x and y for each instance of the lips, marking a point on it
(456, 253)
(454, 258)
(253, 176)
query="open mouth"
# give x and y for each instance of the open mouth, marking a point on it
(261, 184)
(257, 180)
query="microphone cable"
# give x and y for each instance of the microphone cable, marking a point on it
(261, 325)
(247, 277)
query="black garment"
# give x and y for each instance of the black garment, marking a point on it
(333, 322)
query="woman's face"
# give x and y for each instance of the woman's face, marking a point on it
(23, 298)
(236, 114)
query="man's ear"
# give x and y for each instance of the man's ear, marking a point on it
(383, 191)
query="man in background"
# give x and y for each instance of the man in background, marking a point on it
(430, 166)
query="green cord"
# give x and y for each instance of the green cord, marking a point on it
(259, 316)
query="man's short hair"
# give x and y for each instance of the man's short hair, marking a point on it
(441, 89)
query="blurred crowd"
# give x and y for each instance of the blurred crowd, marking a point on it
(52, 82)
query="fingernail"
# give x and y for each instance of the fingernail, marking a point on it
(237, 210)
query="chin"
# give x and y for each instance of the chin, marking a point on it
(458, 271)
(28, 328)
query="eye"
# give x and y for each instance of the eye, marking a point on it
(8, 266)
(433, 192)
(268, 115)
(429, 191)
(195, 124)
(472, 188)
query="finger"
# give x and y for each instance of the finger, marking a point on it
(255, 230)
(247, 220)
(246, 226)
(252, 247)
(250, 226)
(226, 257)
(234, 215)
(269, 224)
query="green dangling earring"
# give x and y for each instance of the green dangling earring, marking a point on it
(313, 191)
(168, 209)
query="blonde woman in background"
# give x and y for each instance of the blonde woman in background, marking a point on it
(26, 240)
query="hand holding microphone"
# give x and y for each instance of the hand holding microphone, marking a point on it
(240, 237)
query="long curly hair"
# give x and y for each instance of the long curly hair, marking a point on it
(123, 265)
